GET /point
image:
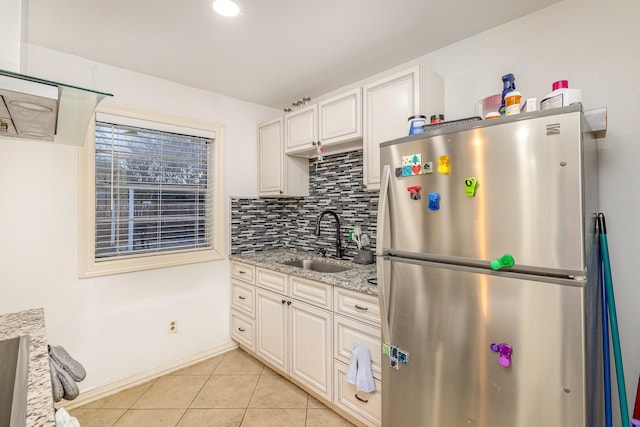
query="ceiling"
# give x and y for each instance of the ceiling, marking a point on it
(276, 52)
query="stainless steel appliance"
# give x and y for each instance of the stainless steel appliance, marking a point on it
(487, 274)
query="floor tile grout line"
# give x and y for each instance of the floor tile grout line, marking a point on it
(199, 391)
(153, 381)
(252, 393)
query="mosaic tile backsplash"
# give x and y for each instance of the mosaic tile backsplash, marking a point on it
(334, 183)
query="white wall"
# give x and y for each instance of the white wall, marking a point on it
(115, 325)
(594, 45)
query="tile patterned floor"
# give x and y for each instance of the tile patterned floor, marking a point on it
(233, 389)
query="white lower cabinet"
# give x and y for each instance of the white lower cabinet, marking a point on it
(306, 330)
(243, 329)
(295, 337)
(367, 407)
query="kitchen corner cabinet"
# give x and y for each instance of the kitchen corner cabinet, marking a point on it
(388, 103)
(278, 174)
(333, 122)
(294, 336)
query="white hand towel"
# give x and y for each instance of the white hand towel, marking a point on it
(359, 370)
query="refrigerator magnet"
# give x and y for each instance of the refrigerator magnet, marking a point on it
(434, 201)
(386, 349)
(471, 186)
(393, 362)
(444, 166)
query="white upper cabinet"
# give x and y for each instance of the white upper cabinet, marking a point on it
(388, 103)
(335, 123)
(341, 118)
(301, 130)
(278, 174)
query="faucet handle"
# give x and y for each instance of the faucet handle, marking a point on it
(323, 252)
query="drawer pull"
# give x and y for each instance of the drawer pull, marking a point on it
(242, 272)
(241, 297)
(360, 307)
(242, 329)
(361, 399)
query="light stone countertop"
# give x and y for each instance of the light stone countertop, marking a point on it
(356, 278)
(39, 396)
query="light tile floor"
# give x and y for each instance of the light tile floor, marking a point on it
(233, 389)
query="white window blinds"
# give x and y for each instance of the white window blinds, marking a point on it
(153, 191)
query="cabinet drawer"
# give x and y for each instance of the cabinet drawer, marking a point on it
(242, 271)
(243, 297)
(242, 329)
(272, 280)
(348, 332)
(366, 406)
(357, 305)
(312, 292)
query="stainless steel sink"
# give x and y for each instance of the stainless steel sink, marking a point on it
(14, 367)
(316, 265)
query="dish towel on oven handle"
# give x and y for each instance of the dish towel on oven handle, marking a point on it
(359, 370)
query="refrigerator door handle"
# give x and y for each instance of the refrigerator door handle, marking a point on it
(383, 206)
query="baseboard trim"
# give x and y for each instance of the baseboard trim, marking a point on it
(88, 396)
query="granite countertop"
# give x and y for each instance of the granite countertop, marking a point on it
(39, 396)
(356, 278)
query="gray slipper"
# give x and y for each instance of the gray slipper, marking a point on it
(68, 363)
(70, 388)
(56, 385)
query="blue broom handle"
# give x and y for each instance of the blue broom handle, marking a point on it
(605, 350)
(613, 318)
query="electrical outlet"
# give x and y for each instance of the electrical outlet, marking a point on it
(173, 326)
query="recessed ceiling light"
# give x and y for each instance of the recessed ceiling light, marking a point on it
(226, 7)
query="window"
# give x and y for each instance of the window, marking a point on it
(151, 189)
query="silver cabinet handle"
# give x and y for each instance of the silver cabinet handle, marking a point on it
(241, 297)
(360, 307)
(361, 399)
(242, 329)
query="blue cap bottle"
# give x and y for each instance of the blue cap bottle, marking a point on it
(508, 85)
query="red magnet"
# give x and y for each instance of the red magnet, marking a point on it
(414, 192)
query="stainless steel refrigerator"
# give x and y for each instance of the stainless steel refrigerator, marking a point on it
(487, 274)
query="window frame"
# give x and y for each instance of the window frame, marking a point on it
(87, 264)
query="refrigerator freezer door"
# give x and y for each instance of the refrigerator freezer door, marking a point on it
(454, 323)
(515, 188)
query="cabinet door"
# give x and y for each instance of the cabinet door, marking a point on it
(340, 118)
(388, 103)
(311, 336)
(270, 158)
(272, 328)
(301, 130)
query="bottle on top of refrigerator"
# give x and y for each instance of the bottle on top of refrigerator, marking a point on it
(561, 96)
(508, 85)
